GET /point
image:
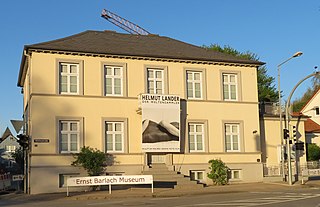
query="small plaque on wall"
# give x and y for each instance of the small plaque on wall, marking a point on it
(41, 140)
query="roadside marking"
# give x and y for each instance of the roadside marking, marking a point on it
(103, 203)
(256, 201)
(164, 198)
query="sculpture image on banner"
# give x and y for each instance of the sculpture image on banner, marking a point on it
(160, 123)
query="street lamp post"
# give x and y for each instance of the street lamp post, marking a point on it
(297, 54)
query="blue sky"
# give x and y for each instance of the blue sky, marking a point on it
(273, 29)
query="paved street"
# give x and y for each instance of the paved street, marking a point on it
(238, 195)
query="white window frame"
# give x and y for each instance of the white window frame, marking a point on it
(69, 132)
(155, 80)
(232, 174)
(68, 75)
(229, 84)
(63, 178)
(114, 133)
(232, 135)
(193, 82)
(10, 148)
(113, 77)
(194, 175)
(194, 134)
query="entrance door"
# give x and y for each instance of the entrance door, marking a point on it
(157, 159)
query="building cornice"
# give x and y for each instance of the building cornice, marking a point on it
(143, 58)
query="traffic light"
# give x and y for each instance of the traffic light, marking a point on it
(23, 140)
(299, 146)
(285, 133)
(294, 133)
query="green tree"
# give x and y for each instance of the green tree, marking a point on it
(18, 156)
(219, 172)
(299, 103)
(92, 160)
(267, 91)
(313, 152)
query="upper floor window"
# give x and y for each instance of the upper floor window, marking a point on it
(113, 81)
(69, 78)
(194, 85)
(230, 87)
(232, 137)
(69, 136)
(10, 148)
(196, 137)
(114, 138)
(155, 81)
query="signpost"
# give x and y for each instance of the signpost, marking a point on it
(109, 180)
(18, 178)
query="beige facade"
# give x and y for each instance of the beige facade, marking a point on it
(272, 145)
(49, 110)
(312, 110)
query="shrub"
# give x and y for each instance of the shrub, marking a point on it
(92, 160)
(313, 151)
(219, 172)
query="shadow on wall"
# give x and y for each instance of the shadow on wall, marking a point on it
(183, 124)
(256, 138)
(262, 141)
(46, 112)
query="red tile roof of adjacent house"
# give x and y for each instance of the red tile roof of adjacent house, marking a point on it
(311, 126)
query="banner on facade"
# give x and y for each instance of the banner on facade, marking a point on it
(160, 123)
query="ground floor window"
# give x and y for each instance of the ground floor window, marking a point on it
(197, 175)
(232, 137)
(69, 136)
(63, 178)
(196, 137)
(234, 174)
(114, 136)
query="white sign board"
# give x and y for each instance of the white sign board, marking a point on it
(17, 177)
(110, 180)
(311, 172)
(160, 123)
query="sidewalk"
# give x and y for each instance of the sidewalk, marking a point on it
(163, 192)
(159, 192)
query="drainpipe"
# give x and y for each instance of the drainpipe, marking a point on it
(27, 155)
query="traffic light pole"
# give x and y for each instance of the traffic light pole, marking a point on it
(288, 121)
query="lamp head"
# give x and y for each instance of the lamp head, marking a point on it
(297, 54)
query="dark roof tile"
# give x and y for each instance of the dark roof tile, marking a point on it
(112, 43)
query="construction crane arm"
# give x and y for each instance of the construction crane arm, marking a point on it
(123, 23)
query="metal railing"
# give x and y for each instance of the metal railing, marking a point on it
(276, 170)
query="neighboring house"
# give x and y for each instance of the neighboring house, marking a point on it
(312, 125)
(8, 145)
(272, 142)
(96, 88)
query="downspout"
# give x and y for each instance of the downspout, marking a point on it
(27, 180)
